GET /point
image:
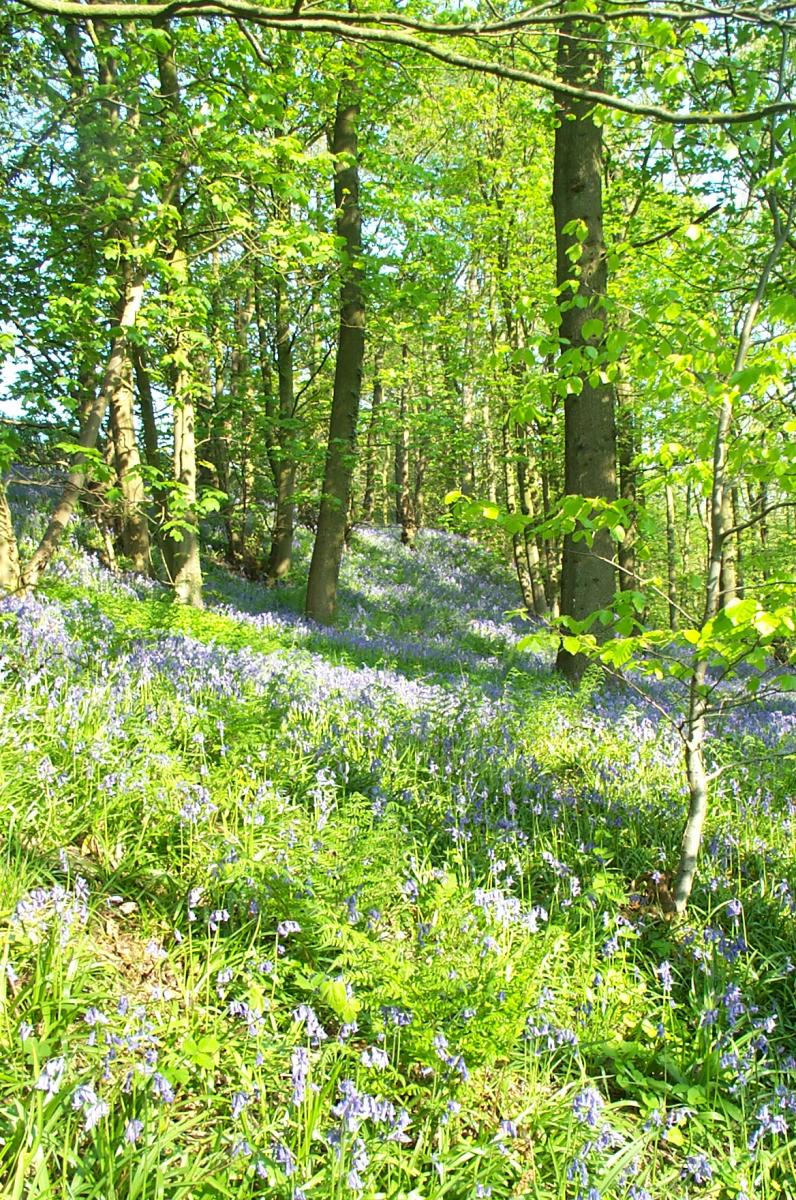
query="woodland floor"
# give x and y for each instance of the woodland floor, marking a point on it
(376, 912)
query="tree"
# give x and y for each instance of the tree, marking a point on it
(588, 577)
(329, 539)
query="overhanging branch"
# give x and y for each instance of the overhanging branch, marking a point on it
(387, 29)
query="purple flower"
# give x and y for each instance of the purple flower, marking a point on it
(587, 1106)
(767, 1122)
(51, 1076)
(374, 1056)
(286, 927)
(299, 1071)
(697, 1168)
(162, 1089)
(94, 1109)
(239, 1102)
(133, 1130)
(664, 972)
(283, 1157)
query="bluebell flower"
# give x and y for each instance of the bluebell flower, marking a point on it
(587, 1106)
(697, 1168)
(133, 1130)
(162, 1089)
(94, 1109)
(51, 1077)
(374, 1056)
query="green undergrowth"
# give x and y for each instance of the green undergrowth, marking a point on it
(279, 924)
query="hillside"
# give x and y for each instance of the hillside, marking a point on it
(377, 911)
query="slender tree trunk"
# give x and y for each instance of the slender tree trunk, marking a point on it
(186, 565)
(369, 499)
(729, 566)
(739, 555)
(64, 509)
(9, 553)
(404, 510)
(328, 548)
(698, 704)
(671, 562)
(551, 549)
(282, 453)
(467, 480)
(588, 573)
(490, 464)
(517, 541)
(627, 449)
(532, 559)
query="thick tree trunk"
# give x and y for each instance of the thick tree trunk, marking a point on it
(9, 554)
(64, 509)
(588, 573)
(135, 525)
(329, 539)
(369, 498)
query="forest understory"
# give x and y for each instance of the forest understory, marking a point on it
(373, 911)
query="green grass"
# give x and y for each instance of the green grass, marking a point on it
(474, 853)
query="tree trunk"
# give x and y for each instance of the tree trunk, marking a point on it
(739, 555)
(328, 548)
(369, 499)
(467, 479)
(517, 540)
(671, 562)
(627, 448)
(186, 565)
(588, 573)
(135, 525)
(127, 314)
(9, 554)
(490, 465)
(696, 720)
(729, 565)
(281, 451)
(532, 558)
(404, 509)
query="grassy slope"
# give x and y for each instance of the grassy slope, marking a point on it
(467, 853)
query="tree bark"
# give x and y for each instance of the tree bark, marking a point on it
(282, 454)
(588, 573)
(9, 553)
(627, 447)
(329, 539)
(369, 498)
(517, 540)
(527, 507)
(671, 562)
(135, 525)
(64, 509)
(404, 509)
